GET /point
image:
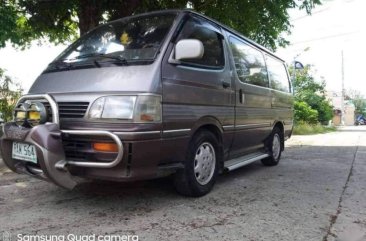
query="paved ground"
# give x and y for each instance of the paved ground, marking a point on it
(318, 192)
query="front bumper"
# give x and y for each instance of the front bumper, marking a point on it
(143, 152)
(51, 164)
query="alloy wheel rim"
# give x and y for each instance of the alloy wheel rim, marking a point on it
(204, 163)
(276, 146)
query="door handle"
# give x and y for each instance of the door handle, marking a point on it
(241, 96)
(225, 84)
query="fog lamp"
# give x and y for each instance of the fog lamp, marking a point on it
(20, 114)
(37, 114)
(30, 114)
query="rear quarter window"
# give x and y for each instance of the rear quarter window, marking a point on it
(277, 74)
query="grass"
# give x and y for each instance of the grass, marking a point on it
(310, 129)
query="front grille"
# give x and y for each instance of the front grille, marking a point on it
(72, 109)
(68, 109)
(82, 150)
(75, 149)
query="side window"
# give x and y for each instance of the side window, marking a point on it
(213, 56)
(278, 75)
(249, 63)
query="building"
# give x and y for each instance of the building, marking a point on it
(335, 99)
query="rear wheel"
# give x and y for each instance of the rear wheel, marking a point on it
(200, 167)
(274, 146)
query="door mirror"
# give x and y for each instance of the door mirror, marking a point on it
(189, 49)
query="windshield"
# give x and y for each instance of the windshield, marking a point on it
(130, 39)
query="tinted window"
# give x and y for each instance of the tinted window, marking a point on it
(212, 42)
(277, 75)
(249, 63)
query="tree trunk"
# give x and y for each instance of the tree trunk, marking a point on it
(89, 14)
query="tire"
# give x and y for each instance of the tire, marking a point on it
(200, 167)
(274, 147)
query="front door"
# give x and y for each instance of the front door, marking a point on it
(199, 91)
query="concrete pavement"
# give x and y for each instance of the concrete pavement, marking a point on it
(316, 193)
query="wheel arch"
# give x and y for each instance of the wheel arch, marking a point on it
(210, 124)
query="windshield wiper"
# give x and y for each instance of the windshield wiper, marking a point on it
(61, 65)
(65, 64)
(120, 59)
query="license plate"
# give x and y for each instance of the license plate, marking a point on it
(25, 152)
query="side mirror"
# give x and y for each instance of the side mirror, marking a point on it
(187, 49)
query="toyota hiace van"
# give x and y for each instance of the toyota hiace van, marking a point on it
(164, 93)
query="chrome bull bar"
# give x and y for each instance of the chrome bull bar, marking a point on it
(63, 163)
(55, 119)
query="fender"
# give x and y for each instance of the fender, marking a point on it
(206, 120)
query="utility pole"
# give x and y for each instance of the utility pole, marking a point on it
(294, 76)
(343, 94)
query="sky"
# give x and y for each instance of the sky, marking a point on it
(24, 66)
(335, 26)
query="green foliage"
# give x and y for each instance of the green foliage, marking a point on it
(8, 96)
(312, 92)
(319, 103)
(8, 24)
(303, 112)
(324, 108)
(262, 21)
(303, 128)
(22, 21)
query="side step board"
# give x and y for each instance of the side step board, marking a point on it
(243, 161)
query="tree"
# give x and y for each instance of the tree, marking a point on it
(59, 21)
(8, 96)
(312, 92)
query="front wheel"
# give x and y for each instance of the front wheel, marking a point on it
(274, 146)
(200, 167)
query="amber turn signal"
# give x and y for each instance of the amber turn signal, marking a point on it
(107, 147)
(145, 117)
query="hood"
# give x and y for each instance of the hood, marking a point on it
(138, 78)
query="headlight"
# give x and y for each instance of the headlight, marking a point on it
(113, 107)
(148, 109)
(144, 108)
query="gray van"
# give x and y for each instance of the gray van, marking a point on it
(164, 93)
